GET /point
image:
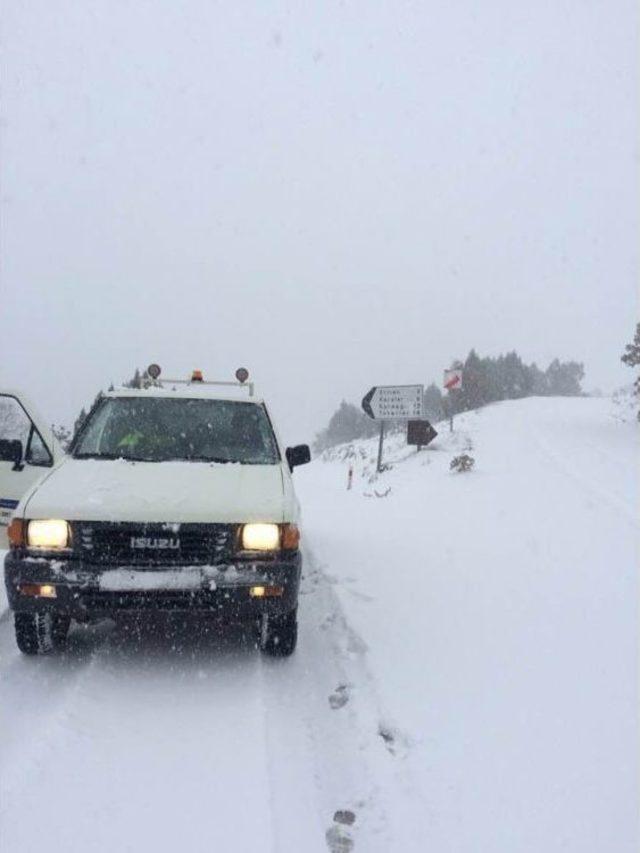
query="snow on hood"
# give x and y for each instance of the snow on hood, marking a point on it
(117, 490)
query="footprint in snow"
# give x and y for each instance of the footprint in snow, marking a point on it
(340, 697)
(338, 837)
(328, 622)
(345, 816)
(360, 596)
(395, 741)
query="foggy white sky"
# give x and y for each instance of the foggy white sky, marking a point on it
(335, 195)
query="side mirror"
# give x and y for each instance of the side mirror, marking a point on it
(298, 455)
(11, 451)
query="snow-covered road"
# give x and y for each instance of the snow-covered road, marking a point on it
(499, 611)
(466, 677)
(186, 741)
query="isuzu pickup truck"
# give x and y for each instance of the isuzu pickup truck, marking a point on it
(174, 497)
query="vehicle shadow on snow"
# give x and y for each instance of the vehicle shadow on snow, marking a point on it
(164, 639)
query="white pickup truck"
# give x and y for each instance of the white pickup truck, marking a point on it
(173, 497)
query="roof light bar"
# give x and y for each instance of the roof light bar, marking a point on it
(242, 375)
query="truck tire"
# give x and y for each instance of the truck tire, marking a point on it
(39, 633)
(279, 634)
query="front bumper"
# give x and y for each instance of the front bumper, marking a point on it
(85, 591)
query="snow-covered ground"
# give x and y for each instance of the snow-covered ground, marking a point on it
(466, 678)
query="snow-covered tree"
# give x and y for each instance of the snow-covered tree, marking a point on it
(507, 377)
(564, 378)
(62, 433)
(135, 381)
(631, 357)
(433, 409)
(80, 420)
(346, 424)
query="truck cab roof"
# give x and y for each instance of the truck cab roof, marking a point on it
(193, 390)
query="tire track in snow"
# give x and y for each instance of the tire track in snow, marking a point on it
(158, 743)
(357, 770)
(614, 502)
(312, 767)
(27, 736)
(163, 748)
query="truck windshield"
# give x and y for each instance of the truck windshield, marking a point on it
(158, 430)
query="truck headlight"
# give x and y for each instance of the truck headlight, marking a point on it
(260, 537)
(48, 534)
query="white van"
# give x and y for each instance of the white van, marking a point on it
(173, 497)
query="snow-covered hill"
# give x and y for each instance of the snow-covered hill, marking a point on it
(466, 679)
(492, 619)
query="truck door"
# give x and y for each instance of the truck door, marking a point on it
(28, 450)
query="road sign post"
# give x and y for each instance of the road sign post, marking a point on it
(448, 411)
(420, 433)
(452, 381)
(392, 403)
(380, 446)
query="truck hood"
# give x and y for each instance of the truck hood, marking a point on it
(117, 490)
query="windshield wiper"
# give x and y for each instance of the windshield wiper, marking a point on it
(221, 459)
(225, 460)
(96, 456)
(112, 456)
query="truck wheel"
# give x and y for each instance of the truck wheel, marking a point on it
(279, 634)
(38, 633)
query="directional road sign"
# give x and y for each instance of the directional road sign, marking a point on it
(394, 402)
(453, 378)
(420, 433)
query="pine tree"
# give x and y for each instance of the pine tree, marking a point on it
(79, 420)
(631, 354)
(346, 424)
(539, 384)
(515, 379)
(432, 405)
(631, 357)
(563, 378)
(475, 386)
(135, 381)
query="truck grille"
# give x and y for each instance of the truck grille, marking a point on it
(135, 544)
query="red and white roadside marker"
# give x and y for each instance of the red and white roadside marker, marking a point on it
(453, 378)
(452, 382)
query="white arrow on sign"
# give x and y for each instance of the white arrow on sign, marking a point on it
(394, 402)
(453, 378)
